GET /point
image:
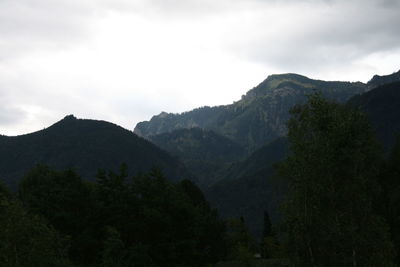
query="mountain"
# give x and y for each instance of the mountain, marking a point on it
(203, 152)
(84, 145)
(249, 187)
(382, 106)
(256, 122)
(259, 117)
(385, 79)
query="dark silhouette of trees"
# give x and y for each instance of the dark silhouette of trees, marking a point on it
(143, 220)
(27, 240)
(332, 173)
(390, 197)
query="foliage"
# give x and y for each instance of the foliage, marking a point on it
(390, 201)
(382, 107)
(65, 201)
(332, 174)
(259, 117)
(120, 221)
(249, 187)
(204, 152)
(85, 146)
(27, 240)
(241, 245)
(269, 246)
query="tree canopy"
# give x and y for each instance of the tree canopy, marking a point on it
(143, 220)
(332, 173)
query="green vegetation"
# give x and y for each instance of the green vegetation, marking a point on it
(242, 245)
(84, 145)
(60, 220)
(249, 187)
(383, 109)
(390, 200)
(26, 239)
(203, 152)
(340, 189)
(259, 117)
(332, 173)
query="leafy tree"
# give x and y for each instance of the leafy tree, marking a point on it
(332, 175)
(27, 240)
(178, 227)
(65, 201)
(143, 221)
(208, 229)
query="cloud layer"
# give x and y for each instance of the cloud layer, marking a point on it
(125, 61)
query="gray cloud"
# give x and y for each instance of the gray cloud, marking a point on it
(10, 115)
(27, 26)
(312, 36)
(327, 37)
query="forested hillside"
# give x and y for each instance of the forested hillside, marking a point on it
(84, 145)
(325, 194)
(250, 184)
(57, 219)
(382, 106)
(260, 116)
(203, 152)
(250, 187)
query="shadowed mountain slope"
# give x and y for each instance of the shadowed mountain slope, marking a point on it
(204, 152)
(84, 145)
(382, 106)
(249, 187)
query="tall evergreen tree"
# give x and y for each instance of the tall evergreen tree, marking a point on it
(267, 231)
(270, 246)
(332, 174)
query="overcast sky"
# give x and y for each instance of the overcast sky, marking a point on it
(126, 60)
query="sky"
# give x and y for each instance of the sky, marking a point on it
(124, 61)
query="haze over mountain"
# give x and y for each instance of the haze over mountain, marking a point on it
(84, 145)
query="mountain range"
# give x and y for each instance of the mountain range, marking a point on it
(259, 116)
(247, 187)
(230, 150)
